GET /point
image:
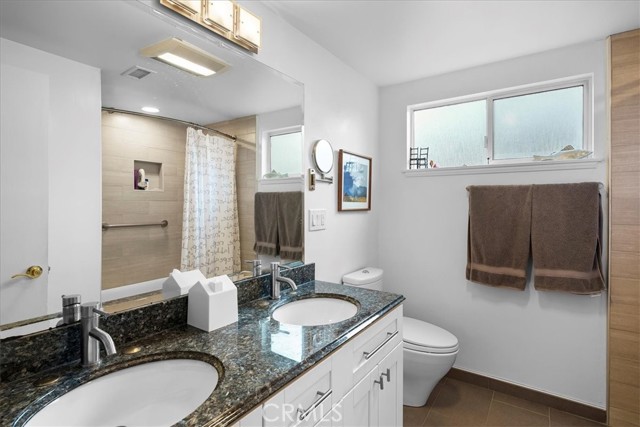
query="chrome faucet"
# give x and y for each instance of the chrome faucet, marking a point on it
(276, 279)
(257, 266)
(92, 336)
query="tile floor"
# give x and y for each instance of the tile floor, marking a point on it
(457, 403)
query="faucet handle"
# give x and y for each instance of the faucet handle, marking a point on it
(89, 309)
(254, 262)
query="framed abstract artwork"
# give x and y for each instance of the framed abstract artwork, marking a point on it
(354, 182)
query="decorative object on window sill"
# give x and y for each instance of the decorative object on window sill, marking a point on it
(223, 17)
(567, 153)
(275, 174)
(354, 182)
(418, 157)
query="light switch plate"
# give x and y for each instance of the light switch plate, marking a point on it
(317, 219)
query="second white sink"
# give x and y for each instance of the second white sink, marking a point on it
(315, 311)
(155, 393)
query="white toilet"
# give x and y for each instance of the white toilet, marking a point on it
(429, 351)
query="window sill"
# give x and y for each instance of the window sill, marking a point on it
(508, 168)
(280, 181)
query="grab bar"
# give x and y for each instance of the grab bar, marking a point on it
(162, 224)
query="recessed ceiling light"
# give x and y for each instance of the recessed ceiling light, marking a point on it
(185, 56)
(150, 109)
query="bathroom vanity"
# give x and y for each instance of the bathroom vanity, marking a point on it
(270, 373)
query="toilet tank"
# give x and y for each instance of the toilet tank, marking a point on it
(367, 278)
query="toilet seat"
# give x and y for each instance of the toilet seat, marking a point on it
(427, 338)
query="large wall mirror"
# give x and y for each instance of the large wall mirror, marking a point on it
(95, 77)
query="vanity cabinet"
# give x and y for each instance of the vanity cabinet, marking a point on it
(377, 399)
(359, 385)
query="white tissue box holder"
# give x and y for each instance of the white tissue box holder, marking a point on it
(179, 282)
(213, 304)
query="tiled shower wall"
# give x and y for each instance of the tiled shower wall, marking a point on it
(245, 129)
(137, 254)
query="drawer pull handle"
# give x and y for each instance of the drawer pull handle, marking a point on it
(390, 336)
(381, 383)
(322, 397)
(387, 374)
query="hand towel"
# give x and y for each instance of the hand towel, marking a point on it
(498, 235)
(290, 225)
(566, 236)
(266, 223)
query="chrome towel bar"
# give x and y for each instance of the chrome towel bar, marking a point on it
(163, 223)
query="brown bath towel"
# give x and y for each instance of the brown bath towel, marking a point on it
(498, 236)
(566, 234)
(266, 223)
(290, 224)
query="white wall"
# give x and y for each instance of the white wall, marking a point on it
(75, 207)
(551, 342)
(340, 106)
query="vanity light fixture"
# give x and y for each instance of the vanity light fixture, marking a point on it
(150, 109)
(219, 14)
(185, 56)
(223, 17)
(248, 26)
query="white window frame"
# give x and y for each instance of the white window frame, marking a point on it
(585, 80)
(278, 132)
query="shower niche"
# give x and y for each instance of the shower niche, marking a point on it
(147, 176)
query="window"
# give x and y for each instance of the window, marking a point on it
(507, 126)
(284, 153)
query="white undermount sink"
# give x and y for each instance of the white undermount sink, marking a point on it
(315, 311)
(155, 393)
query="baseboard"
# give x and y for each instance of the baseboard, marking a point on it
(566, 405)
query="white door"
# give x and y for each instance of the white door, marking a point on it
(24, 125)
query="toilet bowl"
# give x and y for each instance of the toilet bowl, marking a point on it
(428, 350)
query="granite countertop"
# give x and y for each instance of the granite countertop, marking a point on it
(256, 357)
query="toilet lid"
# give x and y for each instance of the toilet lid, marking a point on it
(422, 336)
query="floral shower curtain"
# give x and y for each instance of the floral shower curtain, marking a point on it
(210, 230)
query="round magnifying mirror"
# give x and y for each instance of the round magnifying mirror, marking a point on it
(323, 156)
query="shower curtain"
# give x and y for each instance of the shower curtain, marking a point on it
(210, 230)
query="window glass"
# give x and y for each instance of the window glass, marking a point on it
(515, 125)
(454, 133)
(286, 153)
(538, 124)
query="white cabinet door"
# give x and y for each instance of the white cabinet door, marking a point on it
(390, 395)
(356, 408)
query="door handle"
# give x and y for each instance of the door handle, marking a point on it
(32, 272)
(386, 374)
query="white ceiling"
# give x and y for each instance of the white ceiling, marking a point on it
(394, 41)
(109, 35)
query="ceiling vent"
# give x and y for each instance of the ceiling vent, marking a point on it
(137, 72)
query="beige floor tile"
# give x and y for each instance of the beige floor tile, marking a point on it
(460, 403)
(564, 419)
(414, 416)
(505, 415)
(522, 403)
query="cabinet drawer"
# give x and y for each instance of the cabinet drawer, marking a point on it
(370, 346)
(309, 398)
